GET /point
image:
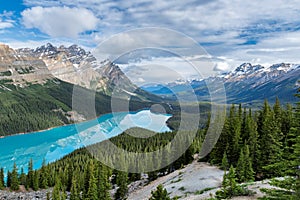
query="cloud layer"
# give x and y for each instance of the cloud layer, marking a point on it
(59, 21)
(5, 20)
(232, 32)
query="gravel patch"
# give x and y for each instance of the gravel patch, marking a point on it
(183, 183)
(34, 195)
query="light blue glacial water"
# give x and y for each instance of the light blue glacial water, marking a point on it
(55, 143)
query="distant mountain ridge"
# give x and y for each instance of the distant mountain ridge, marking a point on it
(246, 84)
(71, 64)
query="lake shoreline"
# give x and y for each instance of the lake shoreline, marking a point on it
(53, 127)
(54, 143)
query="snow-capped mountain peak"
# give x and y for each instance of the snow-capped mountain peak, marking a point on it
(45, 50)
(245, 83)
(246, 68)
(283, 67)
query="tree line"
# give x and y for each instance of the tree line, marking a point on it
(253, 145)
(260, 145)
(84, 177)
(38, 107)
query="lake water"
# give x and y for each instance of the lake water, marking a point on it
(55, 143)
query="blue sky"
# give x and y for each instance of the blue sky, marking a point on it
(232, 32)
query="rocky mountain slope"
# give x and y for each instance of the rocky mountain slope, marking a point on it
(247, 83)
(36, 87)
(75, 65)
(19, 69)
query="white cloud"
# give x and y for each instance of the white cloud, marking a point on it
(149, 42)
(15, 44)
(221, 66)
(59, 21)
(190, 16)
(193, 17)
(223, 26)
(5, 24)
(281, 41)
(141, 80)
(5, 20)
(167, 69)
(281, 47)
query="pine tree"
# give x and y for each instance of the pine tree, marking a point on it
(22, 177)
(159, 194)
(248, 171)
(92, 193)
(74, 190)
(225, 164)
(14, 178)
(87, 175)
(122, 182)
(230, 188)
(297, 150)
(240, 168)
(215, 157)
(291, 184)
(244, 168)
(70, 172)
(104, 183)
(251, 129)
(244, 133)
(35, 185)
(287, 120)
(234, 134)
(48, 196)
(277, 111)
(8, 182)
(44, 176)
(2, 183)
(289, 188)
(63, 195)
(30, 174)
(269, 143)
(296, 186)
(56, 193)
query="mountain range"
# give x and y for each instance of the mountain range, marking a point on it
(36, 87)
(246, 84)
(69, 64)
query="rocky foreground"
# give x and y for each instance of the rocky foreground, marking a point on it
(194, 182)
(21, 195)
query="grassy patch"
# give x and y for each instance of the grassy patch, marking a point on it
(6, 73)
(176, 181)
(26, 70)
(204, 190)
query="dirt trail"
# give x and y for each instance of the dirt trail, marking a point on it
(185, 182)
(189, 184)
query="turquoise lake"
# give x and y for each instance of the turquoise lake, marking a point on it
(57, 142)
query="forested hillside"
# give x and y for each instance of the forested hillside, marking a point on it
(41, 106)
(253, 146)
(80, 172)
(257, 146)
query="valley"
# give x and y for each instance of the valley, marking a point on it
(37, 87)
(149, 100)
(34, 97)
(247, 84)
